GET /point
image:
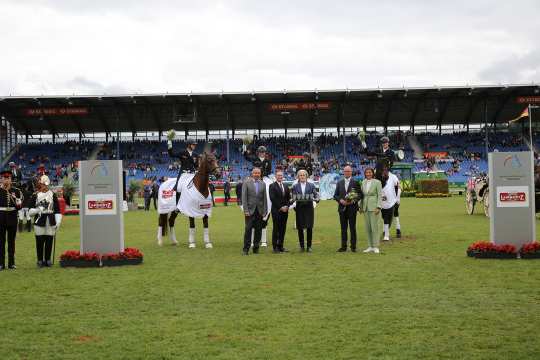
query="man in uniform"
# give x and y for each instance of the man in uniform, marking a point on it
(305, 164)
(189, 162)
(261, 161)
(11, 200)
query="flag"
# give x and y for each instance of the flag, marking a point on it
(524, 113)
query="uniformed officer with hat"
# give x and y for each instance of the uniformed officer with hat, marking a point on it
(305, 164)
(11, 199)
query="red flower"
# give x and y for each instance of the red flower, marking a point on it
(530, 248)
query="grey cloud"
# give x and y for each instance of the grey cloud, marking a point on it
(514, 68)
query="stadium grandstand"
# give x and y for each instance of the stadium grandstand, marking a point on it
(445, 129)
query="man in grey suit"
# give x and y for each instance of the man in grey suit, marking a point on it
(255, 207)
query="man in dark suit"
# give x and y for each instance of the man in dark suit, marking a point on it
(347, 207)
(280, 196)
(239, 184)
(227, 191)
(15, 174)
(255, 207)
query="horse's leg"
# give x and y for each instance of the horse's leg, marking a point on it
(172, 220)
(206, 238)
(191, 233)
(162, 228)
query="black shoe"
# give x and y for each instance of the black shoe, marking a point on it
(342, 249)
(283, 250)
(40, 264)
(2, 267)
(309, 250)
(12, 267)
(245, 252)
(48, 263)
(398, 233)
(353, 250)
(255, 250)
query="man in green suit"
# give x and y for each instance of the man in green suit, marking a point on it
(371, 207)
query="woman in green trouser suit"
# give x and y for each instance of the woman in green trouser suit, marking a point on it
(371, 206)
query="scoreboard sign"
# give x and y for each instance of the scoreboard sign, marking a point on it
(528, 100)
(303, 106)
(56, 111)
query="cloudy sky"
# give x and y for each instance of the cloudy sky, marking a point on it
(121, 46)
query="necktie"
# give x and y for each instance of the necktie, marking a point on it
(281, 186)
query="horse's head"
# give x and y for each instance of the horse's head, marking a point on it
(209, 164)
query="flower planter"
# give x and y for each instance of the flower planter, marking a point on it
(121, 262)
(494, 255)
(79, 263)
(530, 255)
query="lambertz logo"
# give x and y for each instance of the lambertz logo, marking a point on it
(100, 205)
(512, 196)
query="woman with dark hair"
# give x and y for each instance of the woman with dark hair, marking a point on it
(371, 206)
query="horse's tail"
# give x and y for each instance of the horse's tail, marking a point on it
(163, 223)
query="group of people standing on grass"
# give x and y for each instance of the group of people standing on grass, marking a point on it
(378, 195)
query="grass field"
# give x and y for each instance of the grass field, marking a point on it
(421, 299)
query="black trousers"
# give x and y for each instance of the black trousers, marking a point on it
(347, 219)
(11, 233)
(155, 202)
(279, 219)
(387, 215)
(44, 245)
(147, 203)
(396, 210)
(254, 221)
(309, 236)
(227, 198)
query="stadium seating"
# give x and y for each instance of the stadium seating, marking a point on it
(148, 159)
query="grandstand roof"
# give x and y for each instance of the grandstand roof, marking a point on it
(265, 109)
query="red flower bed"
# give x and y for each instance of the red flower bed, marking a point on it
(76, 255)
(128, 253)
(486, 249)
(530, 251)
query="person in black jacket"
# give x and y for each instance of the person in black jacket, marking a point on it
(46, 209)
(11, 199)
(305, 164)
(189, 163)
(348, 206)
(239, 191)
(227, 191)
(280, 195)
(385, 156)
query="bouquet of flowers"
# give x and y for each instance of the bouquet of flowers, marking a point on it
(246, 141)
(352, 196)
(171, 134)
(362, 138)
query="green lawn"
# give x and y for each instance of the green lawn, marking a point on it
(421, 299)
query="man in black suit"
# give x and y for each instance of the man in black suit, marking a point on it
(239, 184)
(227, 191)
(347, 208)
(280, 196)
